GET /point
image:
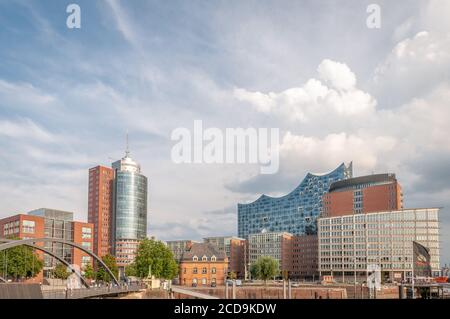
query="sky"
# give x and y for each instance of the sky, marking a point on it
(337, 90)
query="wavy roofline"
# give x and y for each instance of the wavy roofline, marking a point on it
(304, 178)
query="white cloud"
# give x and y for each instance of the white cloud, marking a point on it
(414, 67)
(23, 93)
(123, 23)
(424, 52)
(334, 148)
(314, 100)
(25, 128)
(337, 74)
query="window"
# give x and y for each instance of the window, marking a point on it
(213, 270)
(204, 258)
(213, 258)
(204, 270)
(203, 281)
(195, 258)
(28, 226)
(86, 245)
(86, 232)
(195, 270)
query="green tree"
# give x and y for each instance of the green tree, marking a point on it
(157, 255)
(265, 268)
(61, 272)
(89, 272)
(20, 262)
(110, 262)
(130, 270)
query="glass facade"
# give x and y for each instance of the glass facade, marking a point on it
(130, 211)
(296, 212)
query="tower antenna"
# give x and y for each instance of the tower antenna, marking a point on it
(127, 151)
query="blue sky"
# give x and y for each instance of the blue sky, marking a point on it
(67, 97)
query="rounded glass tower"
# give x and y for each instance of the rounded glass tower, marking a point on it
(129, 210)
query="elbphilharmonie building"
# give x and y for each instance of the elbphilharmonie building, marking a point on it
(296, 212)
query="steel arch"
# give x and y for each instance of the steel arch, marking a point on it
(56, 240)
(48, 252)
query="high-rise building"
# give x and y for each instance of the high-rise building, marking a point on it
(235, 249)
(349, 244)
(295, 212)
(129, 222)
(364, 194)
(100, 207)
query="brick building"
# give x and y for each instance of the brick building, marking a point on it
(203, 265)
(235, 249)
(51, 223)
(100, 207)
(364, 194)
(305, 255)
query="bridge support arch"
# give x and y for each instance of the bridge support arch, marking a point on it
(7, 243)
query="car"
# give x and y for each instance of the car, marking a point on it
(213, 284)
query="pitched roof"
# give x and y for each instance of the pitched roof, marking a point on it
(203, 249)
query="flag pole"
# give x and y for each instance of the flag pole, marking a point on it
(412, 286)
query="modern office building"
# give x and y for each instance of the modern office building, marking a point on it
(100, 207)
(364, 194)
(203, 265)
(51, 223)
(349, 244)
(296, 212)
(235, 249)
(129, 222)
(60, 224)
(179, 247)
(275, 245)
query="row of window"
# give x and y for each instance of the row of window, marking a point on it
(204, 270)
(204, 258)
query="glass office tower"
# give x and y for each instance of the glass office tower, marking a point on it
(296, 212)
(129, 224)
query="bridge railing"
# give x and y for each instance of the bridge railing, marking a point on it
(91, 292)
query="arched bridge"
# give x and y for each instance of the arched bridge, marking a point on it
(10, 243)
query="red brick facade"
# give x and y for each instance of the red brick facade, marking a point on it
(99, 207)
(305, 255)
(19, 227)
(363, 198)
(237, 257)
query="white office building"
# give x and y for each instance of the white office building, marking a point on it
(348, 244)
